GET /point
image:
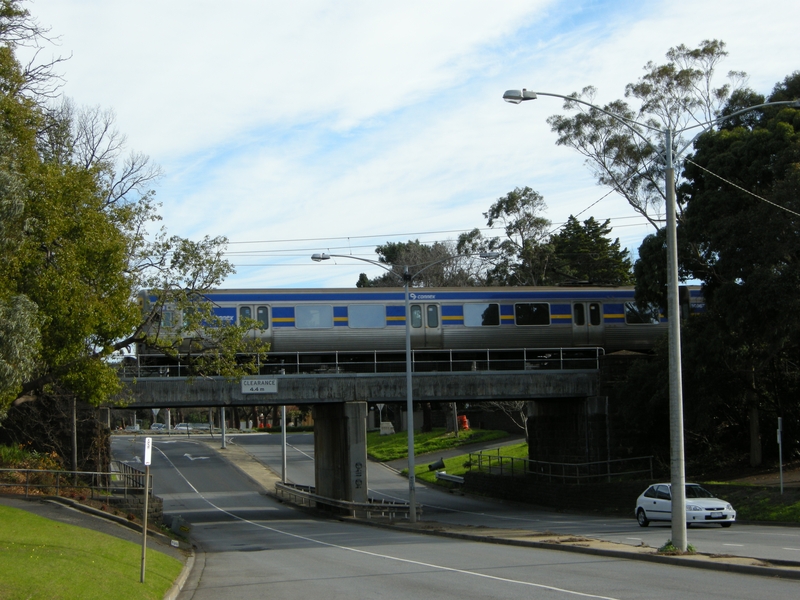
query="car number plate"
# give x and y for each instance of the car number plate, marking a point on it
(716, 515)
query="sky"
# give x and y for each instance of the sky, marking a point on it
(299, 127)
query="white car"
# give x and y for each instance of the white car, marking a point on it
(655, 504)
(183, 427)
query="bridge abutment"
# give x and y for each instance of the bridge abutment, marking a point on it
(569, 430)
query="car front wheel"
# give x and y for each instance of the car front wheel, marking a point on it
(726, 524)
(641, 518)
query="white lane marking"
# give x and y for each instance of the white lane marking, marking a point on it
(737, 545)
(386, 556)
(300, 451)
(795, 549)
(193, 458)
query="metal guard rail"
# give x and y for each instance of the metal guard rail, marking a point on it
(303, 495)
(577, 473)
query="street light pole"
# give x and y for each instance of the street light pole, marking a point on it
(677, 464)
(406, 279)
(412, 477)
(677, 461)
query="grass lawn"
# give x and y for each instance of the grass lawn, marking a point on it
(44, 559)
(394, 446)
(458, 465)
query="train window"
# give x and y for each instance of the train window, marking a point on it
(433, 315)
(366, 316)
(416, 316)
(578, 315)
(481, 315)
(636, 315)
(262, 316)
(167, 318)
(313, 316)
(245, 312)
(532, 314)
(595, 314)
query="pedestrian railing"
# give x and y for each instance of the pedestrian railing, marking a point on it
(304, 495)
(121, 480)
(562, 472)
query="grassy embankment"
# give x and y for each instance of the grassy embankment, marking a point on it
(391, 447)
(46, 559)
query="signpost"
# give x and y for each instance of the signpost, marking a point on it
(780, 449)
(148, 453)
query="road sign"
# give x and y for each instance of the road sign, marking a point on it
(259, 385)
(148, 450)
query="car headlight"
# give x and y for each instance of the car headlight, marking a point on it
(693, 507)
(728, 507)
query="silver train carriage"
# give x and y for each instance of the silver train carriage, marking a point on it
(373, 319)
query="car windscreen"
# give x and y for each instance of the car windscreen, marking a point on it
(695, 491)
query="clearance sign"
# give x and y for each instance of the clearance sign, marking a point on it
(259, 385)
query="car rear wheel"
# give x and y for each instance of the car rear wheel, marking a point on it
(641, 518)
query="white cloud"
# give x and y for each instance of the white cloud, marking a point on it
(307, 120)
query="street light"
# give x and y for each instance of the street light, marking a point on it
(406, 279)
(677, 466)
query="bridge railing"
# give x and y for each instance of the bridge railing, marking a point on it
(384, 361)
(560, 472)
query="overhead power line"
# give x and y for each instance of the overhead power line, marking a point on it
(740, 188)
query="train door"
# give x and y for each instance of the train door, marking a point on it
(258, 312)
(426, 326)
(587, 323)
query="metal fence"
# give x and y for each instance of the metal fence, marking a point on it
(120, 481)
(559, 472)
(383, 361)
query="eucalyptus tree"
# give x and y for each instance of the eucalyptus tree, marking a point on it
(524, 249)
(626, 156)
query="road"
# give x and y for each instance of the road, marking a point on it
(251, 546)
(759, 541)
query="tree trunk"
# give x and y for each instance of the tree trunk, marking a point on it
(427, 418)
(755, 429)
(755, 438)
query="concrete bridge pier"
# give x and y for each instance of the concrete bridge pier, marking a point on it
(340, 450)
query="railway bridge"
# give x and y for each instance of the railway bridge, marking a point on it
(340, 386)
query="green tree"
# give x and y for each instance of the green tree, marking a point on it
(74, 212)
(525, 252)
(738, 236)
(431, 265)
(583, 253)
(627, 157)
(742, 218)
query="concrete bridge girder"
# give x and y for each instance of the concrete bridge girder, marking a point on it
(340, 406)
(320, 389)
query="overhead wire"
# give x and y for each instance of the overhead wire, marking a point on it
(740, 188)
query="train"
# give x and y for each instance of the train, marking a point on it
(374, 319)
